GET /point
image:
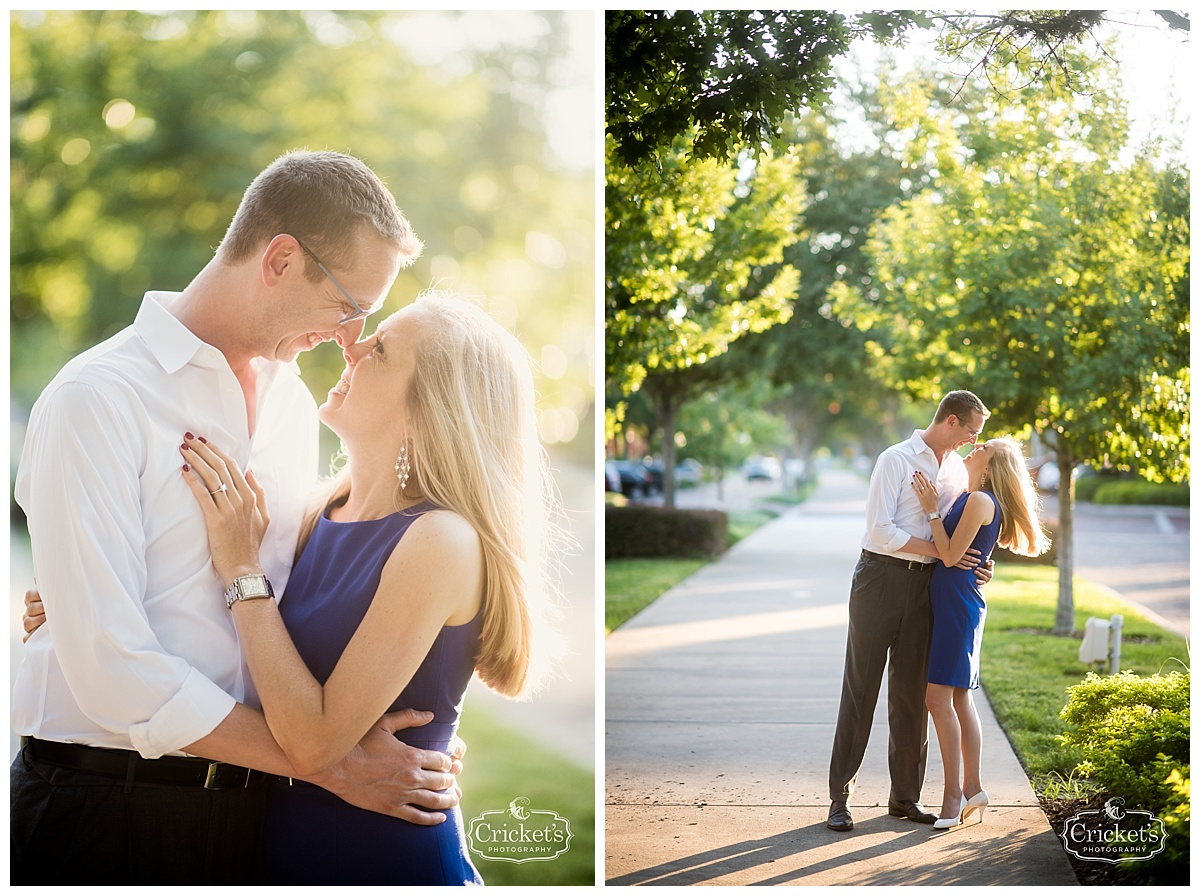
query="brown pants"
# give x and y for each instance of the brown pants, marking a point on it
(890, 625)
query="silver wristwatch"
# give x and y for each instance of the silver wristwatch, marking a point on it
(248, 588)
(934, 516)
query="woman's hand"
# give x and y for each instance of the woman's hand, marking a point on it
(926, 493)
(235, 508)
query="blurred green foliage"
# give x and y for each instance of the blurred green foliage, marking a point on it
(133, 135)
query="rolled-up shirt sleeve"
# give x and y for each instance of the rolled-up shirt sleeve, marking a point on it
(79, 486)
(883, 497)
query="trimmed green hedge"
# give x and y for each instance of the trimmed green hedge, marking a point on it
(637, 531)
(1135, 491)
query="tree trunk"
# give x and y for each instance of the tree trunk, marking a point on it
(667, 412)
(1064, 618)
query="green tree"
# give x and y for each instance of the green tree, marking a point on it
(734, 76)
(724, 424)
(685, 254)
(1051, 278)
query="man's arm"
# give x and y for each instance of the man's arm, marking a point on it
(79, 484)
(381, 773)
(891, 474)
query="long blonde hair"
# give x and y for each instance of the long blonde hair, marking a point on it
(473, 440)
(1008, 478)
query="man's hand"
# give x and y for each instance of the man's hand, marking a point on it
(35, 613)
(983, 572)
(385, 775)
(970, 560)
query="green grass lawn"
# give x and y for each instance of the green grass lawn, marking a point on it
(631, 585)
(503, 765)
(1026, 671)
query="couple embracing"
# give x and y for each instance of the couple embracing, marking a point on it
(165, 475)
(917, 608)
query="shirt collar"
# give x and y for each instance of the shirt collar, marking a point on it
(918, 444)
(171, 343)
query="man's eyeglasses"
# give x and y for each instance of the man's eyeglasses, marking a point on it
(359, 312)
(974, 432)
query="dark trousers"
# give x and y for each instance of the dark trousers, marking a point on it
(890, 625)
(75, 827)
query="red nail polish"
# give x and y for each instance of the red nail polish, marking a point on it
(204, 440)
(188, 435)
(183, 447)
(186, 468)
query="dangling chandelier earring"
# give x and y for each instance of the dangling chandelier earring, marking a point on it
(403, 466)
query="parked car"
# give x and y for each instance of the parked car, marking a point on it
(761, 468)
(688, 472)
(655, 469)
(612, 478)
(636, 480)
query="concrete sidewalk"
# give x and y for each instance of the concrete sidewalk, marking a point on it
(721, 699)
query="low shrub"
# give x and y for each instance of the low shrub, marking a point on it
(1135, 736)
(637, 531)
(1135, 491)
(1133, 731)
(1087, 486)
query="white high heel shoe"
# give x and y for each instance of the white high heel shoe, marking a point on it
(976, 803)
(944, 824)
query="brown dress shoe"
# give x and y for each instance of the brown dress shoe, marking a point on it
(839, 817)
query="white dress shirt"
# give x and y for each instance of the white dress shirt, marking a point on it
(894, 514)
(139, 650)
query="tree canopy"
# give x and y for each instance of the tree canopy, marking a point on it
(685, 251)
(734, 76)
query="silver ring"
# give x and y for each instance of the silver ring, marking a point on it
(223, 488)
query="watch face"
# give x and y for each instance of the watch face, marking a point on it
(253, 586)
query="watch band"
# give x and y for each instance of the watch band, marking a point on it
(934, 516)
(251, 587)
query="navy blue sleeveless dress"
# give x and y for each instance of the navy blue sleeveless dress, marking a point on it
(958, 607)
(312, 836)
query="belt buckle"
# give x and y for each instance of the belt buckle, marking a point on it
(210, 779)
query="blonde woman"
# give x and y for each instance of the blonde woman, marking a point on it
(421, 567)
(999, 507)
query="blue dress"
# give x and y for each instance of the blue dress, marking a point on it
(312, 836)
(958, 607)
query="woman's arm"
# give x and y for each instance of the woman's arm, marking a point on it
(421, 590)
(978, 512)
(434, 577)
